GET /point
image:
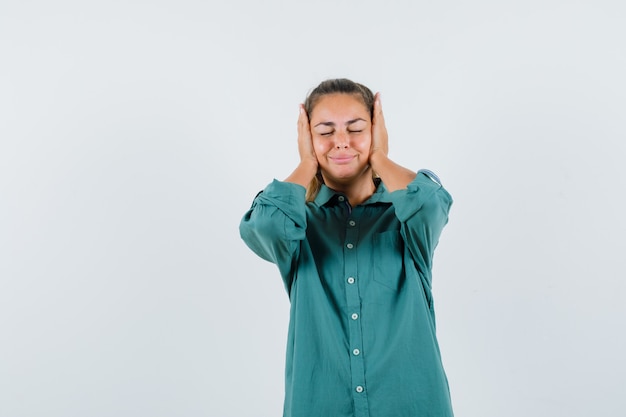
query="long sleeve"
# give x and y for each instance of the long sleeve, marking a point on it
(361, 338)
(275, 225)
(422, 209)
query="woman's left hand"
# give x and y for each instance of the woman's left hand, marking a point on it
(394, 176)
(380, 140)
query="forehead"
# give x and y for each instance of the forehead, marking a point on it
(339, 106)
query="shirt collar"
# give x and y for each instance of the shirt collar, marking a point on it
(327, 196)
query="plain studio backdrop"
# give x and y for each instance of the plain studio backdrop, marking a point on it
(134, 136)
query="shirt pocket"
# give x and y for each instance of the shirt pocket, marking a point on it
(387, 259)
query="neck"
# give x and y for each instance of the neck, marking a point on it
(358, 190)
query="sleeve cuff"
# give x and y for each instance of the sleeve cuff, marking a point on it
(421, 190)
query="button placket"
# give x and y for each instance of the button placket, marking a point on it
(353, 302)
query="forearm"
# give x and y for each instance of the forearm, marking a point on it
(422, 209)
(303, 174)
(275, 222)
(394, 176)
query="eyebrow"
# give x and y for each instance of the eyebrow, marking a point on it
(332, 124)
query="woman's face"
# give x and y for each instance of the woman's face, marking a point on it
(341, 129)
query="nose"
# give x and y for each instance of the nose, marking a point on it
(342, 140)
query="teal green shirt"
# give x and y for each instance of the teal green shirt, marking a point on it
(361, 339)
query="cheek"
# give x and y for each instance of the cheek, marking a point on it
(365, 142)
(320, 146)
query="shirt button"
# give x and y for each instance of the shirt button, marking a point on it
(356, 352)
(355, 316)
(341, 198)
(352, 223)
(359, 389)
(350, 280)
(349, 245)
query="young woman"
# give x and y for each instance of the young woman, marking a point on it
(353, 235)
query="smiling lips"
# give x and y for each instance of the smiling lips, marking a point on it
(342, 159)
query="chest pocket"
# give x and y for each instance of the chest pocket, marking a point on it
(387, 255)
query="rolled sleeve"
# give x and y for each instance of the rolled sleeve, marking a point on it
(422, 208)
(275, 224)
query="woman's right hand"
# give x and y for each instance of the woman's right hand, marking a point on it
(307, 168)
(305, 139)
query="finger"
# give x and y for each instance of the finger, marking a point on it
(378, 109)
(303, 112)
(303, 121)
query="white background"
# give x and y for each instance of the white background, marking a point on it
(135, 134)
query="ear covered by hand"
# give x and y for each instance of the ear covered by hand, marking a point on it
(305, 140)
(380, 139)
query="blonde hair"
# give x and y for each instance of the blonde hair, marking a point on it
(314, 187)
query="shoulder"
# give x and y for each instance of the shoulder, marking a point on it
(430, 175)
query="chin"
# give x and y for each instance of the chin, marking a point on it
(345, 177)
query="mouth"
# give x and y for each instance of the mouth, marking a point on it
(342, 159)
